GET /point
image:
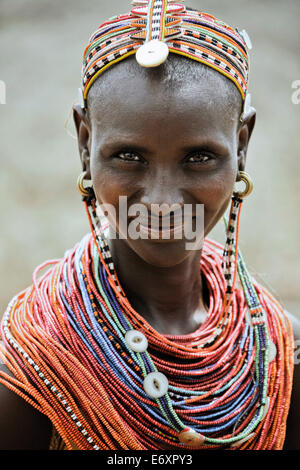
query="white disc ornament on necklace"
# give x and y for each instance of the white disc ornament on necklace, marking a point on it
(136, 341)
(156, 384)
(191, 438)
(152, 53)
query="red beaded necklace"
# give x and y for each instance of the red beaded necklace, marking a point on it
(67, 342)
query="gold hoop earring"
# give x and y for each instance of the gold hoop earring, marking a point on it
(83, 191)
(245, 177)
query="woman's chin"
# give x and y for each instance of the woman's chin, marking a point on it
(161, 253)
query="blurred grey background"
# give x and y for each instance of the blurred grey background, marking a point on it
(41, 46)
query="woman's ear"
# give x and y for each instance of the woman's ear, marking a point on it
(83, 137)
(244, 133)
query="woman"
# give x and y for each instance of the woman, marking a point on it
(140, 339)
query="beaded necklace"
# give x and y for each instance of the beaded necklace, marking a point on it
(80, 354)
(108, 380)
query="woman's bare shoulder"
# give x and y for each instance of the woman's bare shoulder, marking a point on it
(22, 427)
(295, 321)
(292, 441)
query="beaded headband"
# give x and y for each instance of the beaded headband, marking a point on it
(153, 28)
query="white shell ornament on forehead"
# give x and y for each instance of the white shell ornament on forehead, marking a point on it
(152, 53)
(157, 22)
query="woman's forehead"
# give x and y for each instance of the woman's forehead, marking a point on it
(131, 95)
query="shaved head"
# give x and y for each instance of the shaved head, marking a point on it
(177, 72)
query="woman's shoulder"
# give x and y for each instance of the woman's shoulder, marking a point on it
(22, 427)
(295, 322)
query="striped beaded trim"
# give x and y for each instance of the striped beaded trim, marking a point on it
(158, 22)
(193, 34)
(46, 381)
(102, 240)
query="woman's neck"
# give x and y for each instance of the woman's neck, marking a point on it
(173, 300)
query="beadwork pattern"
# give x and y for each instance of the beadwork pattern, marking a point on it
(65, 344)
(196, 35)
(67, 338)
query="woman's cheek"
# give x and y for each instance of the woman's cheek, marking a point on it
(216, 189)
(109, 187)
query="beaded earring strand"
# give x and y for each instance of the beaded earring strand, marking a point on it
(230, 253)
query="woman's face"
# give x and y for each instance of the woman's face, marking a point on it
(160, 144)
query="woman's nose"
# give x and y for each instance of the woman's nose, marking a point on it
(162, 193)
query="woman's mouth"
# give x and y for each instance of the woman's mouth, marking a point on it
(158, 227)
(161, 232)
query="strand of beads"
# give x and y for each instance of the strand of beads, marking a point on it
(191, 434)
(171, 410)
(92, 356)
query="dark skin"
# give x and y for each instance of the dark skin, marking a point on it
(166, 131)
(190, 149)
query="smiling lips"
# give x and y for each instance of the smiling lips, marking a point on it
(157, 233)
(161, 222)
(158, 227)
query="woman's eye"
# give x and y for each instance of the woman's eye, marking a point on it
(129, 156)
(199, 158)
